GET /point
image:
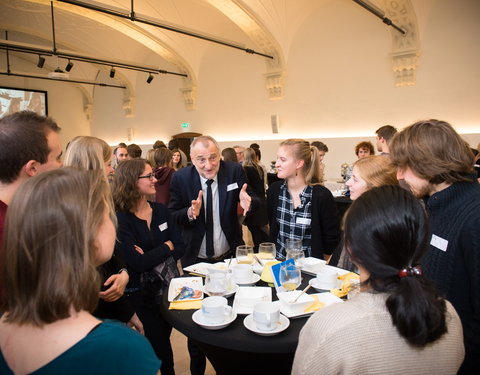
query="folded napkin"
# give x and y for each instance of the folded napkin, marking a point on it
(346, 284)
(186, 305)
(316, 305)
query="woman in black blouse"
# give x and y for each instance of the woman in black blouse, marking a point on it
(148, 237)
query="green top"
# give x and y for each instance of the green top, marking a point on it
(110, 348)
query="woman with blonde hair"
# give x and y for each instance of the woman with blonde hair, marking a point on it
(367, 173)
(92, 153)
(300, 207)
(59, 228)
(257, 221)
(150, 240)
(89, 153)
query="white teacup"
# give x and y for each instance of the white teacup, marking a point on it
(266, 316)
(327, 278)
(242, 273)
(215, 309)
(249, 297)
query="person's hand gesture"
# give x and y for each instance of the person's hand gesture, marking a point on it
(117, 283)
(245, 199)
(196, 205)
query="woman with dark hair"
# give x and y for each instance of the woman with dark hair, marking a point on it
(148, 238)
(364, 149)
(163, 174)
(398, 324)
(229, 154)
(257, 221)
(177, 160)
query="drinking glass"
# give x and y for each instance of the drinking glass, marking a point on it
(297, 255)
(266, 251)
(290, 277)
(216, 284)
(293, 244)
(244, 254)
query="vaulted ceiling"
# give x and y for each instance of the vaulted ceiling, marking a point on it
(265, 26)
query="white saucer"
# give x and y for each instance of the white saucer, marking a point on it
(199, 318)
(252, 281)
(321, 287)
(282, 325)
(229, 293)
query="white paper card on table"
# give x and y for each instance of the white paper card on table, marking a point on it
(232, 186)
(439, 242)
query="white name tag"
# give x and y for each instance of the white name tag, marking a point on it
(439, 242)
(232, 186)
(163, 226)
(303, 221)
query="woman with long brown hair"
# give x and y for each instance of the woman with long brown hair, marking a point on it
(59, 228)
(149, 238)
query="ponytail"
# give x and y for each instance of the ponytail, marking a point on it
(312, 167)
(417, 310)
(385, 230)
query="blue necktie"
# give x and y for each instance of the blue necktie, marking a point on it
(209, 221)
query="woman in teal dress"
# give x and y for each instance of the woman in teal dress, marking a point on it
(60, 226)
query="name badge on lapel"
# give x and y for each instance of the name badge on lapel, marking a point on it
(439, 242)
(163, 226)
(232, 186)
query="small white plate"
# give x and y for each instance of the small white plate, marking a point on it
(176, 285)
(233, 289)
(198, 268)
(245, 309)
(199, 318)
(252, 281)
(327, 298)
(324, 287)
(282, 325)
(312, 265)
(257, 268)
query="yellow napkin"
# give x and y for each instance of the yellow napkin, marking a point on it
(346, 284)
(316, 305)
(186, 305)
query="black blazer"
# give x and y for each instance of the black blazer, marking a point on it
(256, 183)
(185, 187)
(325, 220)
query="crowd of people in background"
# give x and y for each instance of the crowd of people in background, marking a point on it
(105, 222)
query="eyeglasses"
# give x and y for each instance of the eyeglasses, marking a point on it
(150, 176)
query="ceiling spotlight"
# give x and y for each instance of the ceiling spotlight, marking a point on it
(41, 61)
(112, 72)
(69, 66)
(150, 78)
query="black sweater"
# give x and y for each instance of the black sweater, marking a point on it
(454, 216)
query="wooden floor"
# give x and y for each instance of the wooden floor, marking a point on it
(179, 341)
(181, 357)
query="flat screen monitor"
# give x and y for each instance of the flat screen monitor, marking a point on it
(15, 99)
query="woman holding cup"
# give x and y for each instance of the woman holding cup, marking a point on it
(398, 324)
(300, 207)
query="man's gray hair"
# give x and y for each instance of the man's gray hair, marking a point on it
(204, 140)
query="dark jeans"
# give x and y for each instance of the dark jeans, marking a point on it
(157, 330)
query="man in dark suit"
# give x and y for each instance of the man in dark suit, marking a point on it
(203, 200)
(189, 202)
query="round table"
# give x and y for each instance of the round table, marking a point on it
(236, 350)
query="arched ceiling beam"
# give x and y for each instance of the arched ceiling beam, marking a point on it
(238, 12)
